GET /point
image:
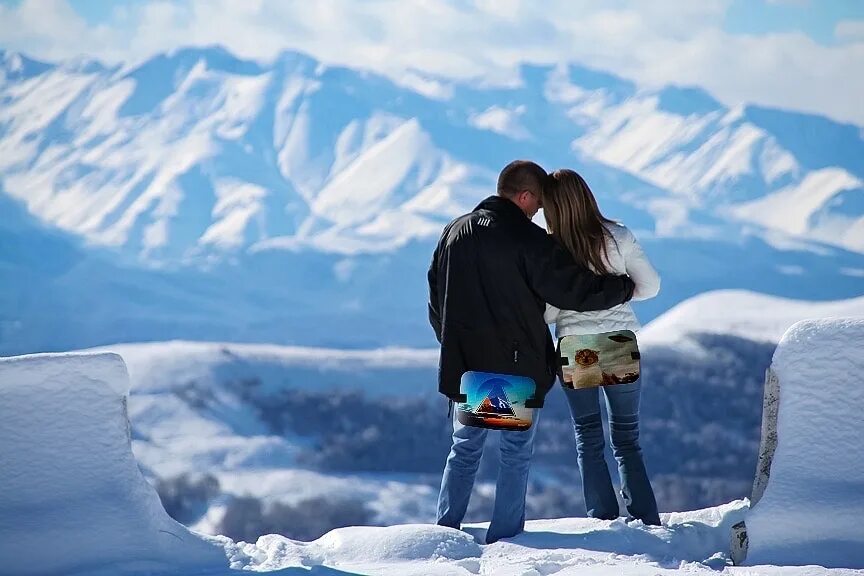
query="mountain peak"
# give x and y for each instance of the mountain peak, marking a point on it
(687, 101)
(84, 65)
(293, 58)
(593, 79)
(217, 57)
(816, 141)
(16, 66)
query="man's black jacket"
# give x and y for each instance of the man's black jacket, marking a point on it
(492, 274)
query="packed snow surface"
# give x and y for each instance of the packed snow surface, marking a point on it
(812, 511)
(72, 497)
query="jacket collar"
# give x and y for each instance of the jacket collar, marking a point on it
(502, 207)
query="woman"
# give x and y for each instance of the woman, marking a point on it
(606, 247)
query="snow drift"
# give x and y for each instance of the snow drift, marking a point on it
(811, 511)
(72, 498)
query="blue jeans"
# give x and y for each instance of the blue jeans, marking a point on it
(508, 514)
(622, 403)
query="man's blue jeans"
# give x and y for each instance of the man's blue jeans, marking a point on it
(508, 514)
(622, 403)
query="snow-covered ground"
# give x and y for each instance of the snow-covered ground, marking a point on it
(691, 542)
(74, 503)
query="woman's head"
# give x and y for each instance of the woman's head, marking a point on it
(573, 217)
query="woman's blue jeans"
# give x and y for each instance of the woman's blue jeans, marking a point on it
(622, 403)
(508, 514)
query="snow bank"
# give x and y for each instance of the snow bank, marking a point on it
(741, 313)
(72, 497)
(688, 543)
(812, 511)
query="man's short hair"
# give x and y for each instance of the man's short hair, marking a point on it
(521, 175)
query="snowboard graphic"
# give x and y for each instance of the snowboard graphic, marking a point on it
(590, 360)
(496, 401)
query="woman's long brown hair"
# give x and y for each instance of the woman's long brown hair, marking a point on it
(575, 220)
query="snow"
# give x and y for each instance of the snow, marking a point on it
(504, 121)
(695, 156)
(13, 62)
(715, 159)
(812, 510)
(157, 367)
(292, 127)
(393, 500)
(229, 439)
(363, 189)
(359, 153)
(740, 313)
(73, 498)
(687, 543)
(237, 204)
(790, 209)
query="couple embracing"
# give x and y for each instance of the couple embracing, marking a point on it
(495, 281)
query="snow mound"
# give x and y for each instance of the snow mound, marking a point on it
(688, 542)
(740, 313)
(363, 545)
(72, 498)
(812, 509)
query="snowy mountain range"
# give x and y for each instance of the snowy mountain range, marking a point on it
(198, 195)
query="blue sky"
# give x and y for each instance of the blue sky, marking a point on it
(793, 54)
(816, 18)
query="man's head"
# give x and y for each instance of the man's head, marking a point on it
(521, 182)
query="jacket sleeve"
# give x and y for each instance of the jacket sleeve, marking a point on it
(640, 270)
(434, 307)
(551, 314)
(557, 279)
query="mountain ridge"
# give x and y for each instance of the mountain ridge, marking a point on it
(214, 109)
(298, 203)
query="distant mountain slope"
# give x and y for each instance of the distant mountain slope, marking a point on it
(198, 151)
(742, 314)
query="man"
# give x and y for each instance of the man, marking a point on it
(492, 274)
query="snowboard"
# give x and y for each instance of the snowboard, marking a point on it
(590, 360)
(496, 401)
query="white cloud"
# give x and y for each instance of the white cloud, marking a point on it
(850, 31)
(653, 43)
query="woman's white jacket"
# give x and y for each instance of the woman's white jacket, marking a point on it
(625, 256)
